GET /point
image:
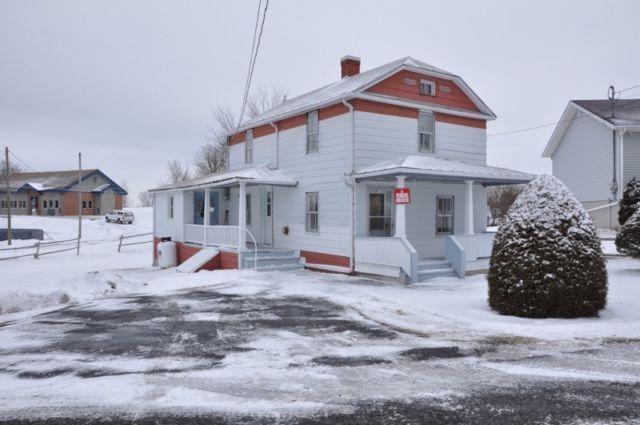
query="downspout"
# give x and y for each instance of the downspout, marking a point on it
(273, 192)
(621, 188)
(614, 184)
(352, 185)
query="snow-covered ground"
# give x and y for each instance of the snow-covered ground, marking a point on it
(275, 343)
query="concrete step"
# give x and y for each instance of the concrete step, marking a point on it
(433, 273)
(290, 267)
(433, 264)
(269, 253)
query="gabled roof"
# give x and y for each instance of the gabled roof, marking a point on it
(261, 174)
(616, 114)
(436, 168)
(350, 87)
(53, 180)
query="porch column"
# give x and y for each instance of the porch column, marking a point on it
(468, 212)
(207, 203)
(242, 217)
(401, 223)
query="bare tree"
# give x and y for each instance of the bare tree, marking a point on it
(264, 98)
(13, 168)
(500, 198)
(212, 157)
(145, 199)
(177, 172)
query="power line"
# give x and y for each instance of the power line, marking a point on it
(523, 130)
(254, 56)
(245, 92)
(21, 161)
(628, 88)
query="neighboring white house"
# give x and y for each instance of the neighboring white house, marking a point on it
(595, 150)
(322, 179)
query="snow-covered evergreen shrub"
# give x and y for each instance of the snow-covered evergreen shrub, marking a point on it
(547, 260)
(630, 201)
(628, 237)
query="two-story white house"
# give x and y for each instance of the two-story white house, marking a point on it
(595, 149)
(382, 172)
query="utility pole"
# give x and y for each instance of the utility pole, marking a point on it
(79, 201)
(8, 174)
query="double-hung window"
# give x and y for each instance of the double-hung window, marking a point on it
(170, 206)
(426, 132)
(444, 215)
(248, 147)
(312, 132)
(312, 212)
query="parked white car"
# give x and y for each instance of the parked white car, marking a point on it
(119, 216)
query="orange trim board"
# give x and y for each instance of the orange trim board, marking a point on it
(359, 105)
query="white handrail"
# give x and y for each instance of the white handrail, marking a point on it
(602, 207)
(255, 250)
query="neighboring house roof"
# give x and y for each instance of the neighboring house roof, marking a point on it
(102, 188)
(435, 168)
(54, 180)
(261, 174)
(351, 87)
(615, 114)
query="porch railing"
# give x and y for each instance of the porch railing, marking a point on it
(222, 236)
(389, 256)
(462, 249)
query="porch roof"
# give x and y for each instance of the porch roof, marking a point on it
(426, 167)
(258, 175)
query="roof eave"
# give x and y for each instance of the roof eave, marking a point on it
(390, 172)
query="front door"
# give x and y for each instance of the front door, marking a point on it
(380, 211)
(267, 217)
(214, 204)
(198, 207)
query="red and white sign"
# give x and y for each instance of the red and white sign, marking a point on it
(401, 196)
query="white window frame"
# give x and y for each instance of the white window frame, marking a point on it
(171, 207)
(427, 87)
(313, 132)
(248, 147)
(426, 131)
(310, 212)
(450, 216)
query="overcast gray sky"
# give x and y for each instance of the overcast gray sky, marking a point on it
(131, 83)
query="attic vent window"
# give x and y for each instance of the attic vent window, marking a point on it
(427, 87)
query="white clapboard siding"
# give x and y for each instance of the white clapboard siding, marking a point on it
(321, 172)
(584, 159)
(164, 225)
(631, 152)
(383, 137)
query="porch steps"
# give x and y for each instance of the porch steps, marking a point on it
(272, 260)
(429, 269)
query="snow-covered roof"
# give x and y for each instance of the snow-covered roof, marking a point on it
(46, 180)
(615, 114)
(429, 167)
(261, 174)
(349, 87)
(102, 187)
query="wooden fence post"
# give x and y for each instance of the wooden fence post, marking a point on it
(37, 250)
(120, 244)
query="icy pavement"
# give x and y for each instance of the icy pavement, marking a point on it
(310, 348)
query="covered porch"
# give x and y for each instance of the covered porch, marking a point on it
(442, 226)
(233, 210)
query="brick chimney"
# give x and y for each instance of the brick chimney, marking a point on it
(349, 65)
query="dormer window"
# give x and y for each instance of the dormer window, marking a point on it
(312, 132)
(427, 87)
(248, 147)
